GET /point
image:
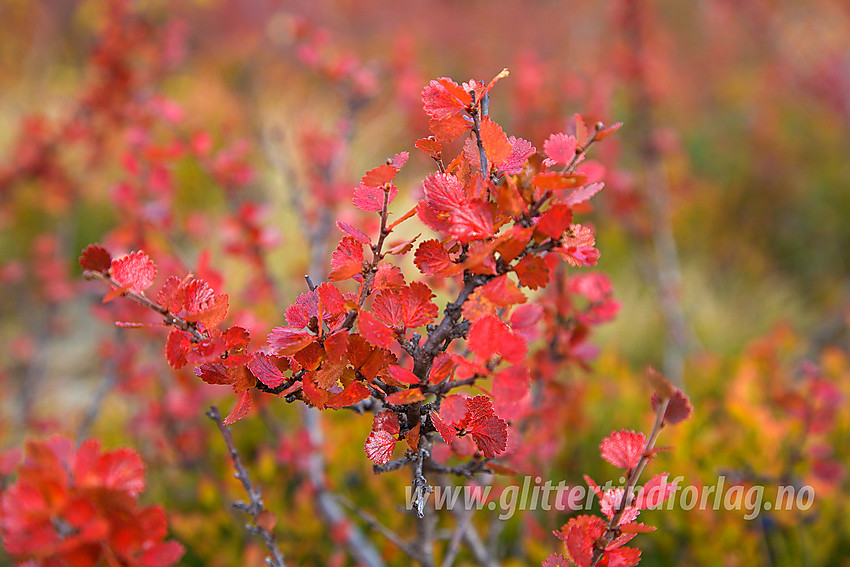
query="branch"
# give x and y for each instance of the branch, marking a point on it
(254, 507)
(169, 318)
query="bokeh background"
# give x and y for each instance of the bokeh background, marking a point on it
(225, 137)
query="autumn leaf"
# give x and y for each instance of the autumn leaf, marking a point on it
(355, 392)
(532, 272)
(368, 198)
(176, 347)
(497, 148)
(387, 277)
(135, 271)
(449, 129)
(402, 375)
(429, 146)
(432, 259)
(404, 397)
(555, 220)
(406, 307)
(374, 331)
(489, 336)
(347, 259)
(501, 291)
(489, 432)
(678, 409)
(354, 233)
(287, 341)
(381, 441)
(263, 367)
(240, 410)
(473, 221)
(560, 148)
(444, 98)
(379, 176)
(521, 150)
(623, 449)
(95, 258)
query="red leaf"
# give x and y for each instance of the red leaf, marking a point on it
(524, 320)
(656, 491)
(560, 148)
(287, 341)
(429, 145)
(381, 442)
(449, 129)
(379, 447)
(134, 271)
(404, 397)
(347, 259)
(446, 430)
(262, 366)
(580, 535)
(213, 313)
(379, 176)
(312, 393)
(489, 335)
(332, 302)
(555, 220)
(353, 232)
(387, 277)
(240, 410)
(605, 132)
(214, 373)
(386, 421)
(95, 258)
(503, 292)
(412, 437)
(679, 409)
(442, 368)
(329, 373)
(374, 331)
(444, 98)
(583, 194)
(336, 345)
(532, 272)
(407, 307)
(176, 347)
(488, 430)
(444, 193)
(623, 449)
(497, 148)
(402, 375)
(367, 198)
(473, 221)
(399, 160)
(432, 259)
(353, 393)
(521, 150)
(578, 246)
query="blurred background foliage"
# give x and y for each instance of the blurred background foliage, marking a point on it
(744, 106)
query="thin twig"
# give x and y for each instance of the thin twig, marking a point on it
(254, 507)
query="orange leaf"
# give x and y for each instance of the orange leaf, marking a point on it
(404, 397)
(496, 144)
